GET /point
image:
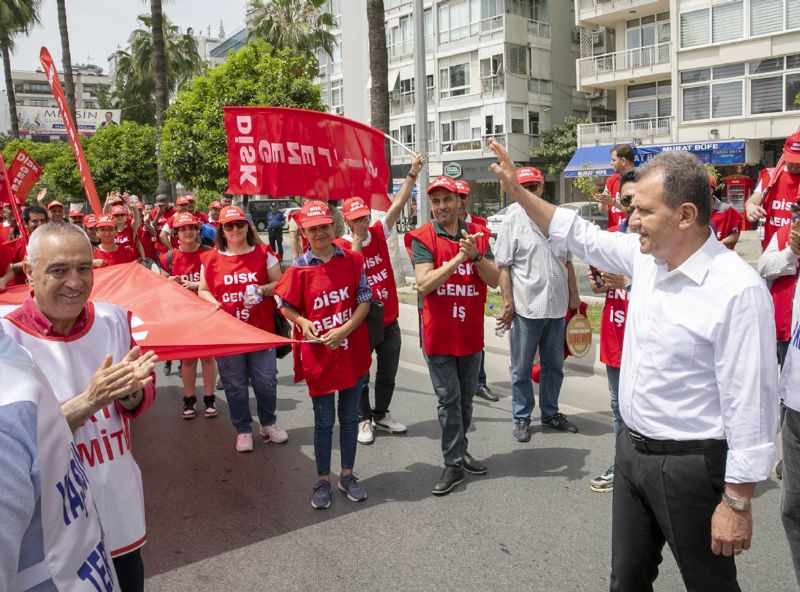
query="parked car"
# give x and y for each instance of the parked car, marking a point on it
(588, 210)
(259, 210)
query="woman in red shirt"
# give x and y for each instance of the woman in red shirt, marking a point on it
(239, 277)
(182, 266)
(326, 296)
(108, 252)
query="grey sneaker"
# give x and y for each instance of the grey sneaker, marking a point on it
(604, 483)
(521, 432)
(560, 422)
(350, 485)
(321, 499)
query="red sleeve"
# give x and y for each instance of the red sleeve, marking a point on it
(290, 287)
(130, 253)
(5, 259)
(148, 392)
(162, 261)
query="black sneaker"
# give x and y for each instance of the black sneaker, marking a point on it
(484, 392)
(189, 411)
(779, 470)
(560, 422)
(449, 479)
(167, 368)
(472, 466)
(521, 432)
(210, 405)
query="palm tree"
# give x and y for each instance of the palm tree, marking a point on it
(294, 24)
(379, 72)
(16, 16)
(66, 58)
(160, 79)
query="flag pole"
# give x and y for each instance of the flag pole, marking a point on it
(403, 146)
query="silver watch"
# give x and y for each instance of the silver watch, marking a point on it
(736, 503)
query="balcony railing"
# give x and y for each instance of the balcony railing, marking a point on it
(625, 60)
(399, 153)
(460, 145)
(534, 142)
(539, 29)
(630, 129)
(492, 23)
(493, 84)
(401, 49)
(401, 102)
(610, 3)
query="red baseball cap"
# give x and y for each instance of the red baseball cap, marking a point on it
(315, 213)
(118, 210)
(184, 219)
(90, 221)
(712, 180)
(791, 148)
(215, 205)
(355, 208)
(463, 187)
(443, 182)
(117, 200)
(75, 214)
(527, 175)
(182, 201)
(190, 197)
(105, 222)
(231, 214)
(55, 204)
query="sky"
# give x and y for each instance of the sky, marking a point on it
(97, 29)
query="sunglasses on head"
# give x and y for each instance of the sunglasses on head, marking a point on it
(232, 225)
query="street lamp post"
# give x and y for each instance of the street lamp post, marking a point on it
(420, 95)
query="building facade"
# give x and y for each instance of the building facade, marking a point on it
(712, 76)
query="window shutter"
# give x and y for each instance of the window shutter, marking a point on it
(766, 16)
(695, 28)
(727, 22)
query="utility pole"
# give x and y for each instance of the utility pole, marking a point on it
(421, 102)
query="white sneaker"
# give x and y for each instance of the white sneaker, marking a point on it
(273, 434)
(244, 443)
(365, 435)
(388, 424)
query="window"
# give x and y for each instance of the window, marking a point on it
(766, 16)
(517, 119)
(727, 22)
(650, 101)
(726, 99)
(792, 14)
(766, 95)
(407, 135)
(533, 124)
(337, 96)
(454, 81)
(696, 103)
(336, 8)
(336, 60)
(695, 27)
(457, 133)
(494, 115)
(453, 22)
(516, 59)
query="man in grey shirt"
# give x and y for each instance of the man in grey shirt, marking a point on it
(538, 283)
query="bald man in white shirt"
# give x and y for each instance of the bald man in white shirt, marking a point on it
(697, 386)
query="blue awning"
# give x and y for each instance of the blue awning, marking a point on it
(592, 160)
(595, 160)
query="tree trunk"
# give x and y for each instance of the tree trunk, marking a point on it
(66, 59)
(12, 98)
(162, 97)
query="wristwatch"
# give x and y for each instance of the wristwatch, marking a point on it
(736, 503)
(477, 257)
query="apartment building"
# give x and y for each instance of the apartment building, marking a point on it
(716, 77)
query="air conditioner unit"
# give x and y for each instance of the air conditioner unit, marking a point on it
(596, 93)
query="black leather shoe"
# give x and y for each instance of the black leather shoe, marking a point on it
(484, 392)
(449, 479)
(472, 466)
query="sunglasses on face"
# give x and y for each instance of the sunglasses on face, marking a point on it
(626, 200)
(232, 225)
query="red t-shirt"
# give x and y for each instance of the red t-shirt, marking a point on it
(612, 325)
(378, 268)
(125, 236)
(5, 232)
(18, 249)
(725, 222)
(185, 264)
(159, 220)
(123, 254)
(779, 203)
(148, 242)
(201, 216)
(615, 215)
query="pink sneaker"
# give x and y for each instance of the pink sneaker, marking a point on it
(244, 443)
(272, 433)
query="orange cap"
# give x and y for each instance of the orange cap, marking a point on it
(315, 213)
(443, 182)
(354, 208)
(184, 219)
(105, 222)
(527, 175)
(231, 214)
(463, 187)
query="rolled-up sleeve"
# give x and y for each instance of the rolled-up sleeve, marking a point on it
(775, 262)
(614, 252)
(747, 374)
(364, 292)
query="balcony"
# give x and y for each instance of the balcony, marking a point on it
(638, 131)
(493, 85)
(404, 102)
(519, 146)
(644, 64)
(539, 29)
(400, 155)
(403, 49)
(608, 12)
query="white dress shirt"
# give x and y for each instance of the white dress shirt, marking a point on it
(775, 263)
(699, 358)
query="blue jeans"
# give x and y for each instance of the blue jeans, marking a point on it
(612, 374)
(259, 369)
(324, 418)
(526, 336)
(455, 380)
(482, 370)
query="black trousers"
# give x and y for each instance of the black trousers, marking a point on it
(388, 354)
(276, 242)
(130, 571)
(668, 498)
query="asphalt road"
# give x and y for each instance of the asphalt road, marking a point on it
(218, 520)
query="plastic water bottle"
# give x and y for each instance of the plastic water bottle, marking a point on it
(498, 330)
(251, 296)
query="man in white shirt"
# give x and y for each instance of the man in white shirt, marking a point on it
(696, 384)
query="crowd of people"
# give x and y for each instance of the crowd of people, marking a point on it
(693, 391)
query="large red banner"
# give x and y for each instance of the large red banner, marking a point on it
(167, 318)
(23, 174)
(72, 133)
(7, 197)
(282, 152)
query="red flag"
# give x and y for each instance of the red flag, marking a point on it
(286, 152)
(23, 174)
(6, 197)
(167, 318)
(72, 133)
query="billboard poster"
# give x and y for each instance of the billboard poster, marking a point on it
(46, 121)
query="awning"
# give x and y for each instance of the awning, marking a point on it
(595, 160)
(592, 160)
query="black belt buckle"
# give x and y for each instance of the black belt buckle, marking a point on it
(639, 442)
